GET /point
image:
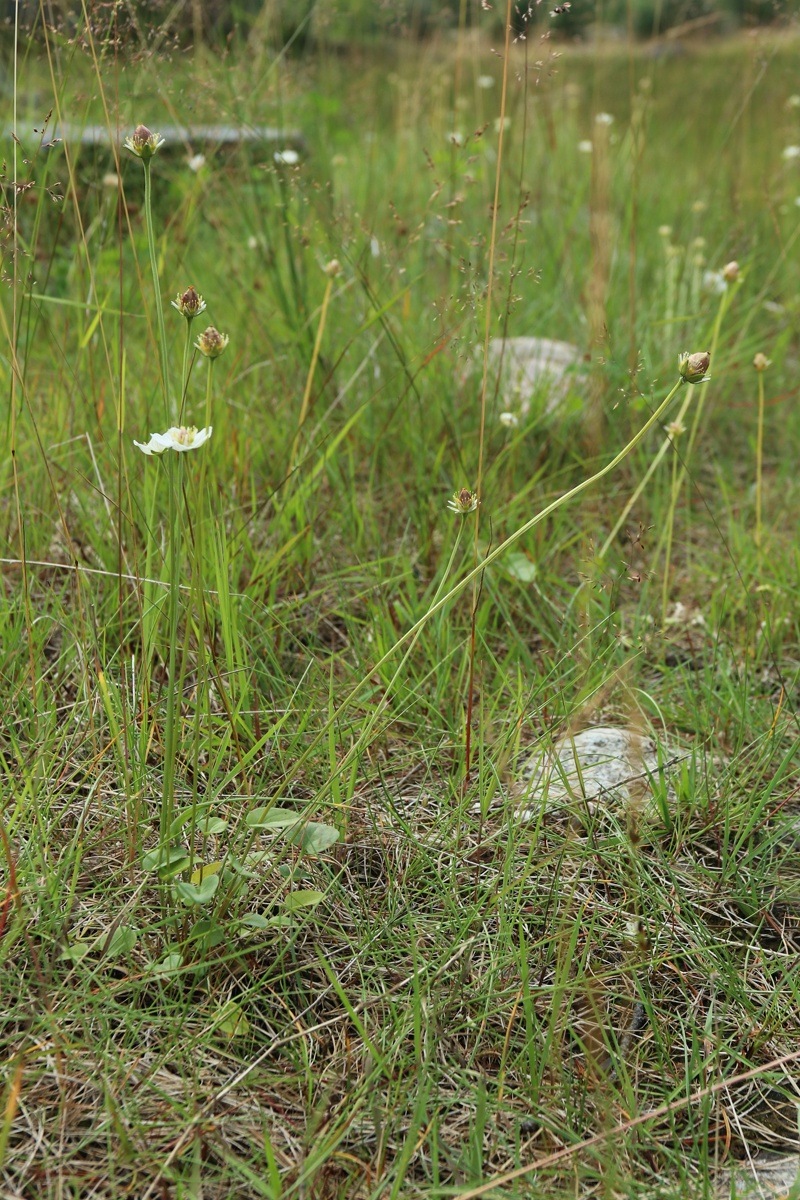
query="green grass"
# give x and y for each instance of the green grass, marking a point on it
(448, 1012)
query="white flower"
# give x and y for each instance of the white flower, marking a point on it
(797, 201)
(286, 158)
(603, 118)
(509, 419)
(793, 102)
(374, 247)
(502, 123)
(714, 282)
(486, 82)
(178, 438)
(456, 138)
(699, 206)
(665, 231)
(790, 153)
(585, 147)
(196, 162)
(252, 242)
(111, 180)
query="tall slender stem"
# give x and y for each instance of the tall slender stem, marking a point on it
(162, 331)
(185, 369)
(670, 527)
(759, 456)
(310, 380)
(167, 802)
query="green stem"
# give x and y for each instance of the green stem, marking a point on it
(199, 591)
(208, 394)
(168, 798)
(310, 378)
(670, 526)
(759, 457)
(185, 369)
(151, 245)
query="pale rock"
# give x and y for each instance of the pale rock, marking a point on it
(606, 766)
(768, 1175)
(533, 366)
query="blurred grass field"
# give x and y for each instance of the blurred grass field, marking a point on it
(441, 999)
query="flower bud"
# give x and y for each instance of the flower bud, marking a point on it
(675, 428)
(189, 303)
(463, 502)
(332, 268)
(212, 342)
(761, 362)
(730, 272)
(693, 367)
(143, 143)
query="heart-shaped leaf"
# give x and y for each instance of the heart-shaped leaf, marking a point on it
(255, 920)
(231, 1020)
(123, 939)
(313, 837)
(272, 819)
(208, 869)
(75, 952)
(170, 965)
(212, 826)
(305, 898)
(191, 893)
(167, 860)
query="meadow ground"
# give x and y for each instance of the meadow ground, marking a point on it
(410, 992)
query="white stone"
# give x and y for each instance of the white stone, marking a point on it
(770, 1175)
(533, 366)
(606, 765)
